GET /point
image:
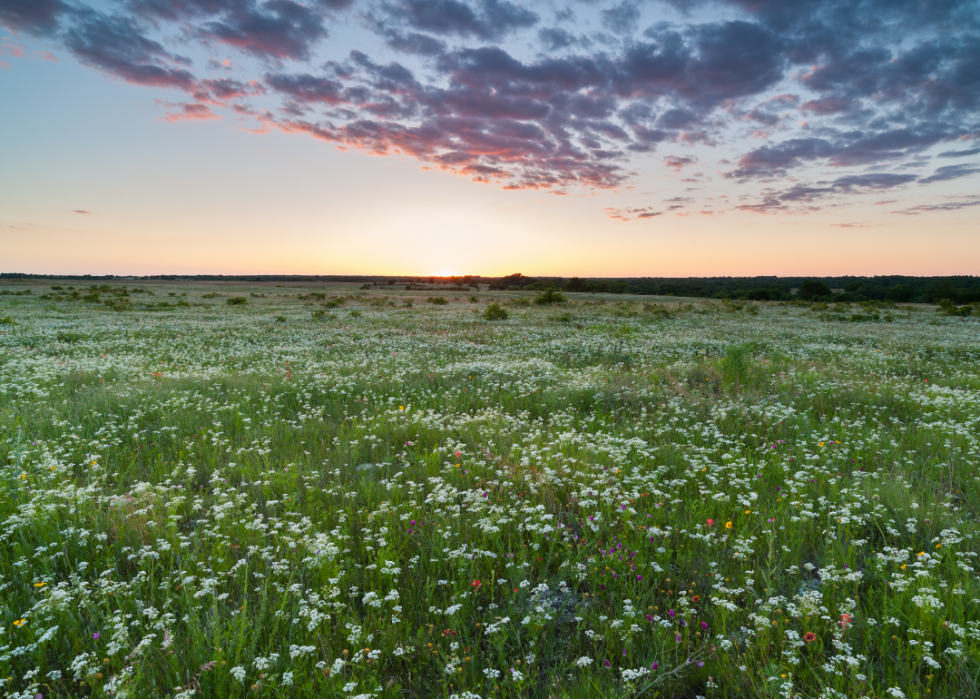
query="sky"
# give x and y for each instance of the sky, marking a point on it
(614, 138)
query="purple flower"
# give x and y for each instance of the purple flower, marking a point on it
(683, 623)
(96, 636)
(607, 662)
(624, 651)
(654, 666)
(639, 578)
(704, 625)
(678, 638)
(670, 612)
(700, 664)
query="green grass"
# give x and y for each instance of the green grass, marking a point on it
(268, 500)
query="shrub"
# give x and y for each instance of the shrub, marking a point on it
(474, 299)
(237, 301)
(521, 301)
(407, 303)
(495, 312)
(279, 319)
(549, 297)
(7, 320)
(437, 300)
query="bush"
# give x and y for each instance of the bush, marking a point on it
(407, 303)
(549, 297)
(495, 312)
(437, 300)
(7, 320)
(237, 301)
(474, 299)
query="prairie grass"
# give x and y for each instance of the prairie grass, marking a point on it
(716, 499)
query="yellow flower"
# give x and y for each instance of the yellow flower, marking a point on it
(20, 622)
(903, 566)
(821, 443)
(40, 584)
(748, 512)
(921, 553)
(728, 525)
(401, 407)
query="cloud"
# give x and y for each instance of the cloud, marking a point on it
(38, 17)
(117, 46)
(487, 19)
(951, 172)
(189, 111)
(959, 153)
(815, 83)
(962, 203)
(801, 198)
(4, 65)
(556, 38)
(79, 211)
(678, 163)
(631, 214)
(225, 89)
(279, 29)
(621, 18)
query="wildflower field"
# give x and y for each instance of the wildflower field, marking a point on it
(341, 493)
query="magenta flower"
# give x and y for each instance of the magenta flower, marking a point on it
(654, 666)
(96, 636)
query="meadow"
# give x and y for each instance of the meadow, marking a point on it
(337, 492)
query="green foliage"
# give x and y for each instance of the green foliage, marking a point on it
(811, 289)
(549, 297)
(495, 312)
(237, 301)
(7, 320)
(437, 300)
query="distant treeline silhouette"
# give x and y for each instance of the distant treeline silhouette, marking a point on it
(958, 289)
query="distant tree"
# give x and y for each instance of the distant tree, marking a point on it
(903, 293)
(942, 289)
(811, 289)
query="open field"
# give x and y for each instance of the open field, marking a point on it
(335, 492)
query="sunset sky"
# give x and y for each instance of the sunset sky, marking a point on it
(589, 138)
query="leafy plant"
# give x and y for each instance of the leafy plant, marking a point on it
(495, 312)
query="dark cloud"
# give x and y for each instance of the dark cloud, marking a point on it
(488, 19)
(959, 153)
(117, 46)
(224, 89)
(307, 89)
(413, 42)
(39, 17)
(951, 172)
(556, 38)
(275, 29)
(621, 18)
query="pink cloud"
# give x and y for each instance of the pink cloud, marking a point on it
(5, 66)
(189, 111)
